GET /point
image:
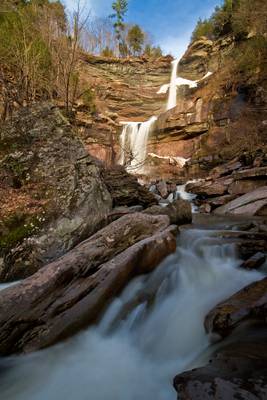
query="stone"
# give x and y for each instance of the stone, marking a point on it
(162, 189)
(179, 212)
(252, 203)
(61, 197)
(258, 172)
(245, 185)
(209, 188)
(249, 303)
(236, 371)
(254, 262)
(70, 293)
(226, 169)
(125, 189)
(205, 208)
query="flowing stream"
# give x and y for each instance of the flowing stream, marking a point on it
(151, 332)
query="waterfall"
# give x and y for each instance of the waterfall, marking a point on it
(150, 333)
(129, 132)
(133, 143)
(173, 89)
(134, 136)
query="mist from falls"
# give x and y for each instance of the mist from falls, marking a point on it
(151, 332)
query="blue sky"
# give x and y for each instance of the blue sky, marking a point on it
(169, 21)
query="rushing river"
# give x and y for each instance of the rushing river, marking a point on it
(153, 331)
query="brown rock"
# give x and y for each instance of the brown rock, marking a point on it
(248, 303)
(179, 212)
(252, 203)
(209, 188)
(258, 172)
(255, 261)
(236, 371)
(162, 189)
(70, 293)
(125, 189)
(245, 185)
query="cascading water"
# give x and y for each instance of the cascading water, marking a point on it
(153, 331)
(134, 136)
(173, 88)
(134, 139)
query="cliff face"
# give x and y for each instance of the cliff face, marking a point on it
(124, 90)
(224, 117)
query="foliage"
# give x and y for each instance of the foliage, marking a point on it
(152, 52)
(19, 226)
(203, 28)
(107, 52)
(135, 39)
(120, 8)
(88, 98)
(237, 17)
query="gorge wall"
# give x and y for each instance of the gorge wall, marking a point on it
(124, 90)
(221, 118)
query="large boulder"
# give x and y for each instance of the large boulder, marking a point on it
(125, 189)
(53, 194)
(70, 293)
(252, 203)
(249, 303)
(237, 371)
(179, 212)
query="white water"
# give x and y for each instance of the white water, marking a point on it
(173, 88)
(136, 357)
(134, 139)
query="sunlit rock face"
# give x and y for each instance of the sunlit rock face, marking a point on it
(211, 123)
(125, 90)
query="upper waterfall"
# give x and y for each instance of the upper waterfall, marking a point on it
(173, 89)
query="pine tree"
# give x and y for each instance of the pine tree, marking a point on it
(120, 8)
(135, 39)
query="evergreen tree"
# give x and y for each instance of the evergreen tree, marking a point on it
(120, 8)
(135, 39)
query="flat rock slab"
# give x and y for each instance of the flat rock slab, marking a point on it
(251, 203)
(70, 293)
(249, 303)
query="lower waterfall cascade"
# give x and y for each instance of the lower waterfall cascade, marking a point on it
(151, 332)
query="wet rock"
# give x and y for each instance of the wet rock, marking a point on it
(179, 212)
(205, 208)
(255, 261)
(125, 189)
(252, 203)
(209, 188)
(249, 303)
(162, 189)
(237, 371)
(70, 293)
